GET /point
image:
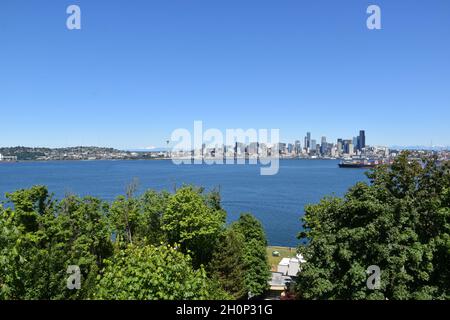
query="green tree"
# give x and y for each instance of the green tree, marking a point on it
(256, 265)
(400, 222)
(190, 222)
(41, 237)
(137, 220)
(153, 206)
(154, 273)
(125, 215)
(227, 264)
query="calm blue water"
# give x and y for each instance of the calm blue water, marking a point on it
(278, 201)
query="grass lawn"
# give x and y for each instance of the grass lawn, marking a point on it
(285, 252)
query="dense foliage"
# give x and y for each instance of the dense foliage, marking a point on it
(240, 261)
(256, 270)
(227, 264)
(156, 245)
(190, 222)
(400, 223)
(154, 273)
(40, 238)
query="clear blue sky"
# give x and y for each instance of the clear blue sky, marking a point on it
(140, 69)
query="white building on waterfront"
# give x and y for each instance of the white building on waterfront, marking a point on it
(290, 266)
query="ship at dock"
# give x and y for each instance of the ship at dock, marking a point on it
(360, 163)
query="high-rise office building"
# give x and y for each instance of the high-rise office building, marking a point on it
(298, 147)
(308, 140)
(361, 140)
(347, 146)
(313, 145)
(290, 148)
(339, 145)
(323, 145)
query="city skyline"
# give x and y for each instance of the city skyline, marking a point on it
(134, 73)
(242, 145)
(313, 137)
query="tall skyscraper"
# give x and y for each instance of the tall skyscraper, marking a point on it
(308, 140)
(340, 145)
(347, 146)
(313, 145)
(323, 146)
(361, 140)
(298, 147)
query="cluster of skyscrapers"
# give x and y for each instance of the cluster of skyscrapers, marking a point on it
(342, 146)
(311, 147)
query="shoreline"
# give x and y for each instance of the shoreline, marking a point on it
(155, 159)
